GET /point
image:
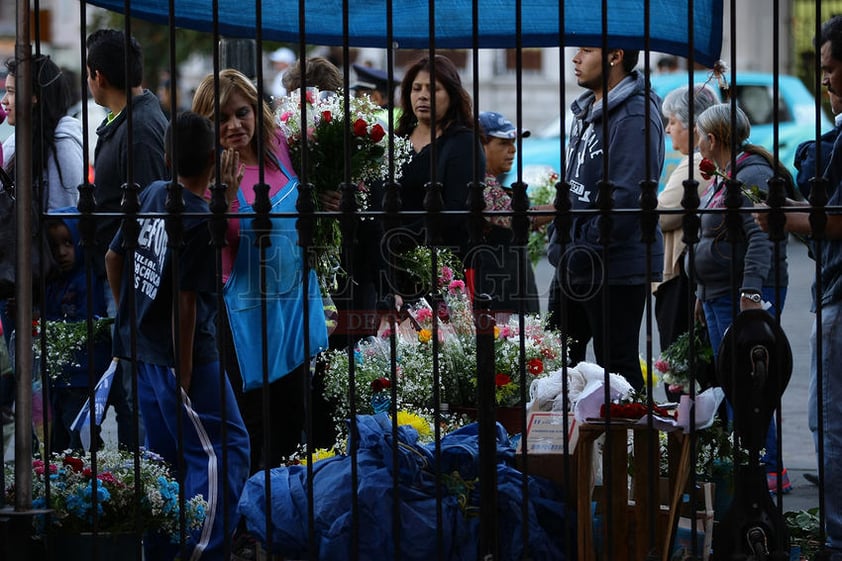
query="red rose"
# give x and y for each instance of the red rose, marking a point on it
(377, 133)
(107, 477)
(380, 384)
(327, 116)
(536, 366)
(707, 168)
(501, 380)
(73, 463)
(360, 127)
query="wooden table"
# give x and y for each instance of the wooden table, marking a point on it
(627, 524)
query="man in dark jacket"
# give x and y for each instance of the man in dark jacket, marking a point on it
(825, 333)
(608, 276)
(806, 156)
(106, 61)
(107, 82)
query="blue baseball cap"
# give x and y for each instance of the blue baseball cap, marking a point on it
(369, 78)
(496, 125)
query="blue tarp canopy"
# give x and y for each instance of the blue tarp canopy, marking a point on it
(454, 24)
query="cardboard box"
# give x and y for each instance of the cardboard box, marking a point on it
(545, 456)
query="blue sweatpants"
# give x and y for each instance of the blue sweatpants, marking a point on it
(202, 422)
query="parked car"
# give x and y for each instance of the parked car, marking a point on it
(796, 119)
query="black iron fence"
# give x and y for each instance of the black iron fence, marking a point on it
(313, 365)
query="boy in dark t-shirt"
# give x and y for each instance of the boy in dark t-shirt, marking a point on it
(154, 271)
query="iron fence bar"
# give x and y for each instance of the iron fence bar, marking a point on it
(561, 222)
(818, 219)
(649, 229)
(23, 288)
(486, 403)
(605, 205)
(218, 224)
(691, 223)
(390, 188)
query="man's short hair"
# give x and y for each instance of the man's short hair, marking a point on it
(832, 32)
(106, 48)
(196, 142)
(630, 59)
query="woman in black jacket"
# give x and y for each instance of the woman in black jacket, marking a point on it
(437, 118)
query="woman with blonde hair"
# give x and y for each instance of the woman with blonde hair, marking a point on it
(283, 292)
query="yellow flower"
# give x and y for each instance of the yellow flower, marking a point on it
(645, 371)
(425, 335)
(421, 426)
(319, 454)
(496, 332)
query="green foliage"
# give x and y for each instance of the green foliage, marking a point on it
(676, 361)
(65, 339)
(805, 530)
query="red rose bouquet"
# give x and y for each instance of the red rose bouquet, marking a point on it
(325, 129)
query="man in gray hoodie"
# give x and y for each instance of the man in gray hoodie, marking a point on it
(604, 269)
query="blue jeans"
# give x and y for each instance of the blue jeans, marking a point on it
(719, 316)
(831, 331)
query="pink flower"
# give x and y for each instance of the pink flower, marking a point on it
(108, 477)
(310, 96)
(662, 366)
(446, 275)
(285, 116)
(456, 286)
(506, 332)
(424, 314)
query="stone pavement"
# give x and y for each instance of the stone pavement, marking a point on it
(798, 452)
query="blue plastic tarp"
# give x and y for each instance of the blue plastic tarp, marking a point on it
(454, 27)
(547, 518)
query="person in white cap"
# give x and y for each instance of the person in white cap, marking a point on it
(281, 59)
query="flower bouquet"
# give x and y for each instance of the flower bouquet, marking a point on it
(65, 339)
(675, 362)
(417, 263)
(541, 192)
(325, 129)
(72, 486)
(456, 359)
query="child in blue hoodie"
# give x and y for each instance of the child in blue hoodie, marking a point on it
(67, 301)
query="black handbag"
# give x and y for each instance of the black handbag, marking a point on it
(8, 239)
